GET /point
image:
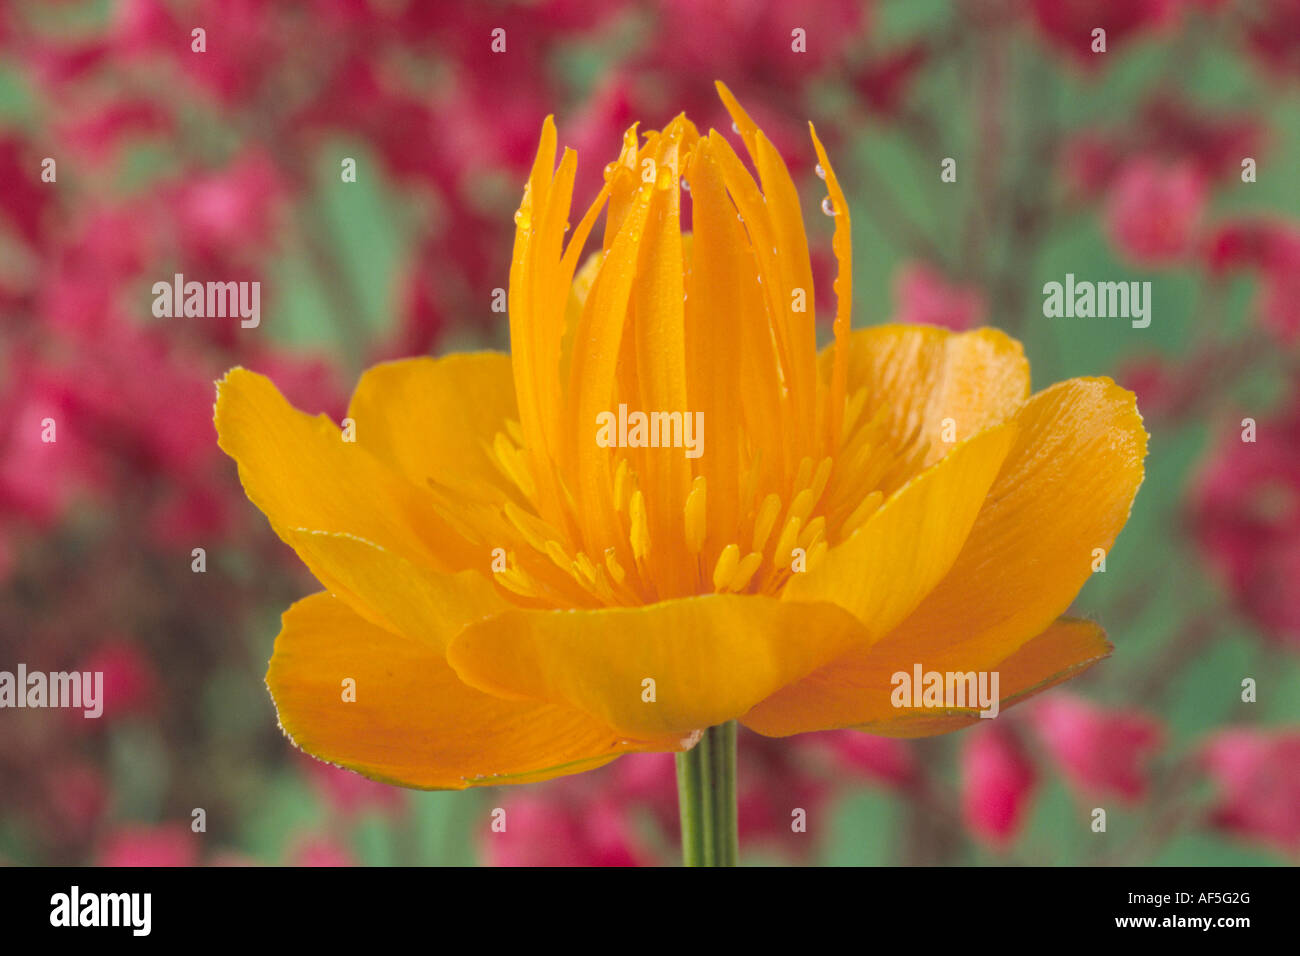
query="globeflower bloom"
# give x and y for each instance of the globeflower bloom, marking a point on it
(511, 597)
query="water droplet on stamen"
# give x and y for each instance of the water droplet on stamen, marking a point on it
(828, 207)
(821, 173)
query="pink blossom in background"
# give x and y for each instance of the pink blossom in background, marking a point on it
(1155, 382)
(559, 828)
(130, 682)
(349, 793)
(1257, 784)
(320, 851)
(997, 783)
(1273, 35)
(1245, 516)
(1068, 24)
(884, 760)
(1100, 751)
(884, 82)
(924, 296)
(171, 844)
(1154, 211)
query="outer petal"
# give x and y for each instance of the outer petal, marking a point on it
(301, 474)
(924, 375)
(711, 657)
(904, 549)
(1066, 488)
(393, 593)
(413, 722)
(857, 692)
(436, 418)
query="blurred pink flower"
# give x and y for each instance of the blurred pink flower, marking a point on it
(1068, 24)
(555, 827)
(923, 295)
(883, 82)
(1154, 380)
(350, 793)
(235, 208)
(170, 844)
(320, 851)
(1258, 786)
(1101, 752)
(1273, 35)
(1154, 211)
(773, 780)
(1245, 512)
(883, 760)
(130, 682)
(997, 783)
(25, 200)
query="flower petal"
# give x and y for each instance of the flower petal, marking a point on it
(412, 722)
(711, 657)
(393, 593)
(856, 691)
(436, 419)
(922, 375)
(902, 551)
(1065, 489)
(298, 470)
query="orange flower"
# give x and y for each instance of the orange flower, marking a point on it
(517, 595)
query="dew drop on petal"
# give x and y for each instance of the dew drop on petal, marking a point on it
(686, 187)
(734, 127)
(821, 173)
(828, 207)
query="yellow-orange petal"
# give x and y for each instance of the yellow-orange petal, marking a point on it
(710, 658)
(857, 691)
(1066, 488)
(922, 375)
(435, 419)
(413, 722)
(888, 566)
(301, 473)
(391, 592)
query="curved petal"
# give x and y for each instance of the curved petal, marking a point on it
(436, 418)
(711, 657)
(393, 593)
(857, 692)
(904, 549)
(412, 722)
(921, 375)
(301, 473)
(1066, 488)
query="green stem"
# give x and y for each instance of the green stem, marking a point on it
(706, 795)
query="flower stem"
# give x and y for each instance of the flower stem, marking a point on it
(706, 796)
